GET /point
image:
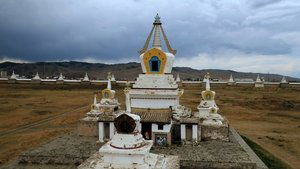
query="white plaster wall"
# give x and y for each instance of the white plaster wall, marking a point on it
(142, 63)
(166, 128)
(101, 132)
(153, 103)
(165, 81)
(182, 131)
(170, 62)
(124, 158)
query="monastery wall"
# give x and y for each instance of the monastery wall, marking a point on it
(123, 83)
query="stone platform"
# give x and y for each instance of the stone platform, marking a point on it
(71, 150)
(215, 154)
(67, 151)
(162, 162)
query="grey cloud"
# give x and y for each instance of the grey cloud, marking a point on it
(70, 30)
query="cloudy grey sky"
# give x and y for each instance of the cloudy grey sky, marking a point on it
(242, 35)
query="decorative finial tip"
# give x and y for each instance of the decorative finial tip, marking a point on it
(157, 18)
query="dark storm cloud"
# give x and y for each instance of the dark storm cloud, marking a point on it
(114, 30)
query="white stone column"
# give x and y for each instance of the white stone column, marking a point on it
(195, 132)
(127, 102)
(182, 131)
(111, 130)
(101, 132)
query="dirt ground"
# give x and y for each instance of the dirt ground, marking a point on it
(31, 115)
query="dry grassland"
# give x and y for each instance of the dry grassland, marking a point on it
(269, 116)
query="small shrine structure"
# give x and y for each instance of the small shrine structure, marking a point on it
(36, 78)
(231, 81)
(258, 82)
(99, 120)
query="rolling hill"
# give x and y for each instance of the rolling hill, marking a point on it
(123, 71)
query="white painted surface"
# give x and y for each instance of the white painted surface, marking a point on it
(86, 78)
(36, 77)
(111, 130)
(123, 158)
(166, 128)
(155, 81)
(101, 132)
(195, 132)
(259, 84)
(153, 103)
(127, 102)
(182, 131)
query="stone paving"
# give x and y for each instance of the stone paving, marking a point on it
(210, 154)
(66, 151)
(71, 150)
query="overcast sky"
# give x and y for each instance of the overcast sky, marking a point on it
(241, 35)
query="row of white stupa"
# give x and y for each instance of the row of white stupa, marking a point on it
(60, 78)
(86, 78)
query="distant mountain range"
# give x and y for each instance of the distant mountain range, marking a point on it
(123, 71)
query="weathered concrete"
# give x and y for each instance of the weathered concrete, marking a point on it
(254, 158)
(88, 128)
(71, 150)
(65, 150)
(214, 154)
(214, 133)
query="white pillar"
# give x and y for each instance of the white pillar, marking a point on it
(128, 105)
(182, 131)
(101, 132)
(111, 130)
(195, 132)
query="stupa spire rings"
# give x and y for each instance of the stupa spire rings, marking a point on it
(156, 40)
(158, 30)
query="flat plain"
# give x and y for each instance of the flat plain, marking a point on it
(31, 115)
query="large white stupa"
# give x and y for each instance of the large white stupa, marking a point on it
(156, 88)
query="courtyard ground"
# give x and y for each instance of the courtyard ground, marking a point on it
(31, 115)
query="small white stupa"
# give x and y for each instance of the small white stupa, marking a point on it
(258, 82)
(13, 76)
(283, 80)
(128, 149)
(61, 77)
(208, 109)
(101, 113)
(108, 100)
(86, 78)
(113, 78)
(36, 77)
(231, 80)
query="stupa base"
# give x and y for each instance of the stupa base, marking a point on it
(151, 161)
